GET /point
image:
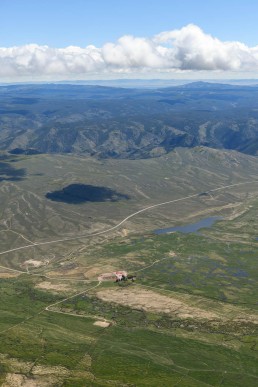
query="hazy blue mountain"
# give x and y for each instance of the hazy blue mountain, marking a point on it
(127, 122)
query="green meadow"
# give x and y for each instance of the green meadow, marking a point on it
(191, 316)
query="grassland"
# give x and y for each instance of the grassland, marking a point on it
(191, 317)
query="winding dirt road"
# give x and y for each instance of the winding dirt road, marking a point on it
(103, 232)
(34, 244)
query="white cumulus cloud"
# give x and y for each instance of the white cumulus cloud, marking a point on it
(185, 49)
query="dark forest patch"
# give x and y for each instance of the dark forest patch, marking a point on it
(172, 102)
(82, 193)
(14, 111)
(21, 151)
(25, 101)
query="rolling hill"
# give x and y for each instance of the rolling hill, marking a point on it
(109, 122)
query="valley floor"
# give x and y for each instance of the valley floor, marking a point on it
(189, 319)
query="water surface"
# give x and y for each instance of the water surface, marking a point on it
(189, 228)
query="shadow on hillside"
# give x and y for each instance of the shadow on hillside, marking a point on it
(9, 173)
(82, 193)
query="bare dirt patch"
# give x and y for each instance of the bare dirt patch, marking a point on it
(124, 232)
(18, 380)
(34, 263)
(56, 287)
(92, 272)
(40, 376)
(179, 305)
(14, 365)
(65, 272)
(151, 301)
(102, 324)
(45, 370)
(9, 275)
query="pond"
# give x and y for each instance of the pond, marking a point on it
(190, 228)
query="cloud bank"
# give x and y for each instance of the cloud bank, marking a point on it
(185, 49)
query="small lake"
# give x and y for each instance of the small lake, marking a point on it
(189, 228)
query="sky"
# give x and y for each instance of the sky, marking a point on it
(105, 39)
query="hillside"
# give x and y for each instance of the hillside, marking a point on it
(189, 319)
(112, 122)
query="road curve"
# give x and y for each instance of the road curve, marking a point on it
(125, 219)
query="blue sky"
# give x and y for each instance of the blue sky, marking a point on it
(62, 23)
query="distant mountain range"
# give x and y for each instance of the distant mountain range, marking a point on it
(110, 122)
